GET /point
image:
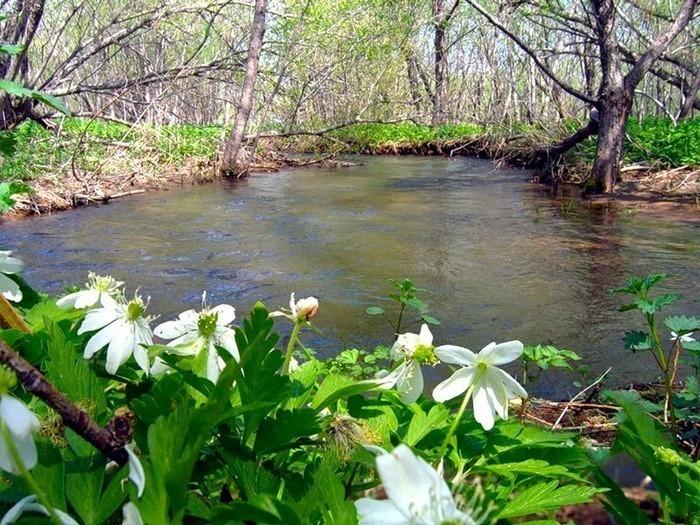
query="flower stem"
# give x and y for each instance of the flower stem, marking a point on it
(290, 347)
(455, 422)
(31, 483)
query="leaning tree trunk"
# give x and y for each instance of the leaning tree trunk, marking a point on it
(440, 64)
(233, 145)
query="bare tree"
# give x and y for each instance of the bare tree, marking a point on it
(233, 145)
(441, 20)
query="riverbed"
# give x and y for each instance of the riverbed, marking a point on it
(501, 257)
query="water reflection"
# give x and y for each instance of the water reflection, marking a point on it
(502, 259)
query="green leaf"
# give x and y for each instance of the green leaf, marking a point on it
(262, 508)
(421, 423)
(532, 467)
(430, 319)
(11, 49)
(285, 429)
(335, 387)
(545, 496)
(636, 340)
(374, 310)
(682, 325)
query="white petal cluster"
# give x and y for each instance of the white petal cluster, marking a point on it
(417, 494)
(195, 332)
(136, 473)
(123, 328)
(98, 290)
(8, 266)
(21, 423)
(492, 387)
(410, 351)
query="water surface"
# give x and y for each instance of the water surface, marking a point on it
(503, 259)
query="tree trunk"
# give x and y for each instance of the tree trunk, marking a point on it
(441, 20)
(233, 144)
(611, 136)
(440, 63)
(691, 97)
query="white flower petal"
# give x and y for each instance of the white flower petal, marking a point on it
(29, 504)
(410, 384)
(159, 367)
(455, 385)
(225, 314)
(497, 393)
(10, 264)
(87, 298)
(188, 317)
(379, 512)
(120, 347)
(425, 335)
(131, 515)
(213, 369)
(136, 473)
(101, 339)
(169, 330)
(67, 301)
(513, 388)
(20, 420)
(483, 410)
(10, 289)
(226, 338)
(99, 318)
(26, 448)
(502, 353)
(455, 355)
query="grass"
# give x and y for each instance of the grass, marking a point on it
(94, 146)
(90, 146)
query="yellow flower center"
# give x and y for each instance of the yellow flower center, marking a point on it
(425, 355)
(135, 309)
(206, 324)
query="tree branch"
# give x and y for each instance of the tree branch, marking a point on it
(110, 441)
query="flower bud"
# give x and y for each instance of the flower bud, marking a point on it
(306, 308)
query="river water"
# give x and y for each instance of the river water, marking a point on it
(502, 259)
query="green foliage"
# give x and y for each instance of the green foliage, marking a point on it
(655, 141)
(8, 190)
(407, 299)
(542, 357)
(367, 137)
(97, 145)
(265, 447)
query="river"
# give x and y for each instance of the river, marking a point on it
(501, 257)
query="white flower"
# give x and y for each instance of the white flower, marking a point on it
(492, 387)
(98, 290)
(9, 265)
(686, 338)
(131, 515)
(299, 311)
(21, 424)
(29, 504)
(136, 473)
(412, 350)
(196, 332)
(124, 328)
(417, 494)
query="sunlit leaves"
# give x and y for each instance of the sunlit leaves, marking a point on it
(682, 324)
(543, 496)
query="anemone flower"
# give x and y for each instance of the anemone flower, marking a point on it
(480, 376)
(123, 328)
(9, 265)
(21, 423)
(411, 351)
(99, 290)
(417, 494)
(685, 338)
(196, 332)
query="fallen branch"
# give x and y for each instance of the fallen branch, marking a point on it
(573, 399)
(78, 197)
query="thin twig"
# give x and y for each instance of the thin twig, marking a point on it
(568, 405)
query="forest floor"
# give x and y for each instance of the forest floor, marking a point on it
(85, 161)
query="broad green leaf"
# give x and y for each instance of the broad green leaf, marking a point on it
(285, 429)
(682, 325)
(546, 496)
(335, 387)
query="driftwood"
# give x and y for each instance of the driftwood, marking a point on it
(84, 198)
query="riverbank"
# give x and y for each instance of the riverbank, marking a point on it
(85, 161)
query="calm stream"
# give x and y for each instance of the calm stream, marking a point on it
(503, 259)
